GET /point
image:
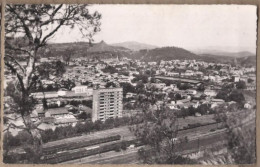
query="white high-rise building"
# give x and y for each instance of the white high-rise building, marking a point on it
(107, 103)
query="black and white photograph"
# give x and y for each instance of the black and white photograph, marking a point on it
(129, 84)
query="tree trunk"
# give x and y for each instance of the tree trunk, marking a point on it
(27, 105)
(31, 127)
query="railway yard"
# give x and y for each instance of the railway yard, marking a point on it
(102, 147)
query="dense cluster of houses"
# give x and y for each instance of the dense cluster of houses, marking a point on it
(86, 74)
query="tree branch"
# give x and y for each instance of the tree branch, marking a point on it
(15, 61)
(20, 78)
(25, 27)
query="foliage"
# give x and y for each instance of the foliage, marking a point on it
(222, 95)
(127, 87)
(203, 109)
(54, 68)
(249, 80)
(28, 28)
(158, 130)
(143, 78)
(184, 86)
(110, 84)
(84, 115)
(236, 96)
(242, 137)
(110, 69)
(67, 131)
(68, 84)
(201, 87)
(240, 85)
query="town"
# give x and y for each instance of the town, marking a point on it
(129, 84)
(101, 92)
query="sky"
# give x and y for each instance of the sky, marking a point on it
(194, 27)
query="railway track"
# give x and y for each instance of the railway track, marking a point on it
(69, 153)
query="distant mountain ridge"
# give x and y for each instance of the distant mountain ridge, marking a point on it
(134, 46)
(104, 50)
(85, 49)
(229, 54)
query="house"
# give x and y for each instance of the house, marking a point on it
(183, 101)
(248, 105)
(57, 112)
(191, 91)
(216, 102)
(188, 73)
(236, 78)
(172, 106)
(197, 114)
(210, 92)
(173, 74)
(41, 95)
(40, 112)
(251, 87)
(212, 78)
(80, 89)
(85, 109)
(158, 85)
(66, 120)
(62, 92)
(129, 94)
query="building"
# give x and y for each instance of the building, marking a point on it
(57, 112)
(107, 103)
(210, 92)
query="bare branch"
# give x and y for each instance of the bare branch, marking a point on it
(15, 61)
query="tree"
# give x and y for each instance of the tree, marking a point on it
(237, 97)
(28, 28)
(68, 84)
(110, 69)
(54, 68)
(127, 87)
(84, 115)
(110, 84)
(222, 95)
(140, 87)
(241, 85)
(69, 52)
(158, 130)
(201, 87)
(249, 80)
(242, 136)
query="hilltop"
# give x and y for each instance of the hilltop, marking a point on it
(85, 49)
(165, 53)
(134, 46)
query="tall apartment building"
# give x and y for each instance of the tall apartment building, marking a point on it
(107, 103)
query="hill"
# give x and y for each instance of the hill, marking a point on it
(85, 49)
(229, 54)
(134, 46)
(165, 53)
(246, 61)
